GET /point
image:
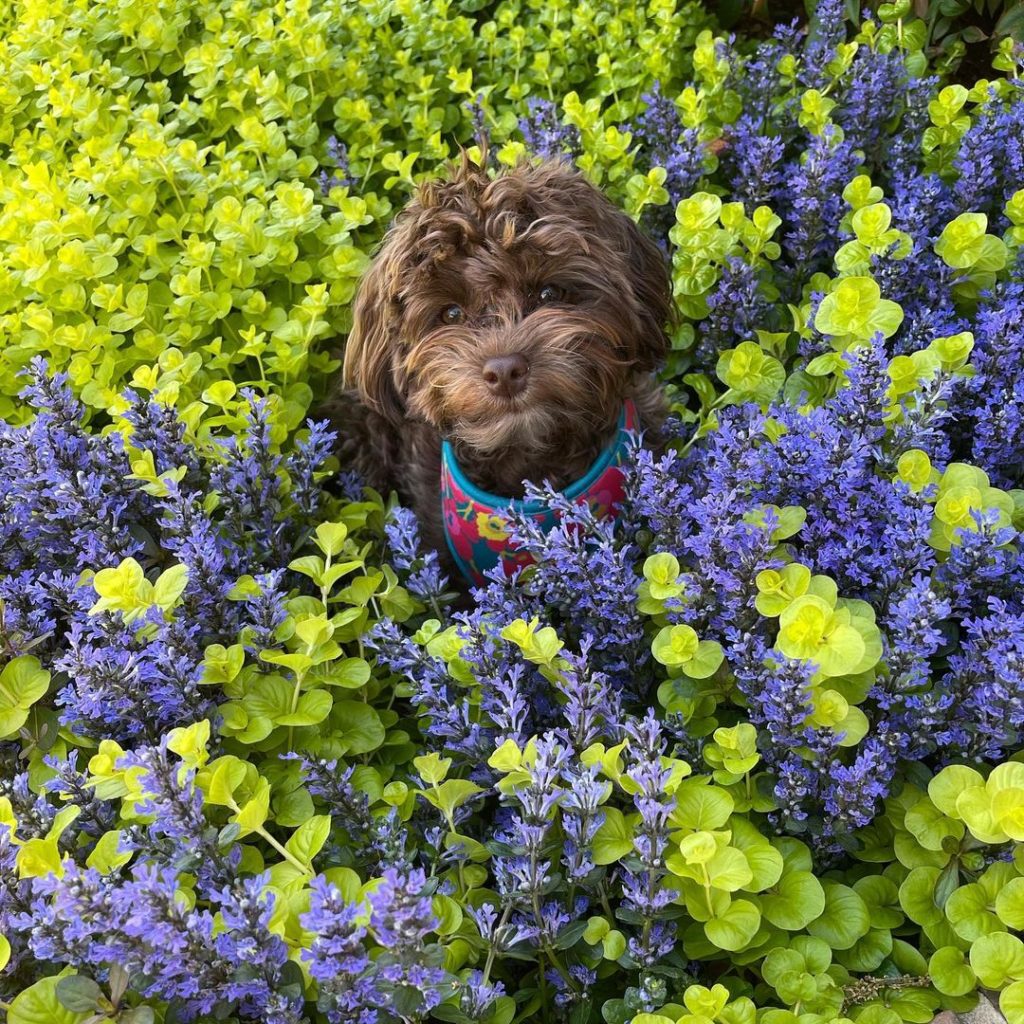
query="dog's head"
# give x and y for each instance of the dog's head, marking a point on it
(512, 311)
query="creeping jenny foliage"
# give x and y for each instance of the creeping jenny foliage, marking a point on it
(751, 755)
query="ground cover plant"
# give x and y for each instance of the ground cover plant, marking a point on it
(753, 755)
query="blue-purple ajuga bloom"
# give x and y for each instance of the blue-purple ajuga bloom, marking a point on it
(374, 838)
(872, 98)
(736, 309)
(64, 499)
(305, 468)
(213, 562)
(831, 793)
(340, 175)
(666, 143)
(827, 30)
(220, 960)
(337, 957)
(522, 877)
(592, 707)
(264, 613)
(477, 995)
(68, 501)
(179, 835)
(984, 562)
(34, 813)
(249, 484)
(642, 891)
(157, 428)
(852, 793)
(424, 578)
(990, 161)
(913, 635)
(754, 161)
(15, 906)
(993, 403)
(812, 204)
(581, 818)
(401, 918)
(904, 149)
(446, 716)
(71, 786)
(987, 678)
(126, 687)
(777, 689)
(584, 566)
(543, 131)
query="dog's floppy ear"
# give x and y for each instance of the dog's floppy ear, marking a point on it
(651, 278)
(371, 345)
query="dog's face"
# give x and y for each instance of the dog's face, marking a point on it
(509, 312)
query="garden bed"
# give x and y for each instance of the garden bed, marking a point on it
(752, 755)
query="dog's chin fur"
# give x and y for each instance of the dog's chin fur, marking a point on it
(489, 245)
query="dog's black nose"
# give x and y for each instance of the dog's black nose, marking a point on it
(506, 375)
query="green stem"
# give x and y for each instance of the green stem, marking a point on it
(264, 834)
(291, 858)
(299, 677)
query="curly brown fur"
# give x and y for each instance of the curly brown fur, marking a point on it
(414, 374)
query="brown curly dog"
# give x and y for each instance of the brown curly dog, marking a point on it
(512, 315)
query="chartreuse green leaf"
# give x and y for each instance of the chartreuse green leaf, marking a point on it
(733, 753)
(309, 838)
(38, 1004)
(614, 838)
(538, 644)
(994, 812)
(733, 929)
(764, 860)
(930, 827)
(796, 899)
(751, 373)
(964, 244)
(997, 959)
(964, 493)
(701, 806)
(107, 856)
(679, 647)
(810, 629)
(125, 589)
(845, 918)
(1010, 904)
(23, 681)
(1011, 1002)
(967, 910)
(945, 788)
(778, 589)
(914, 468)
(950, 972)
(854, 311)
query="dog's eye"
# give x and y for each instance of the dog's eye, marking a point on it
(550, 293)
(452, 314)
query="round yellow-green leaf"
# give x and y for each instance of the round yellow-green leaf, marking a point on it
(794, 901)
(702, 806)
(614, 838)
(997, 959)
(39, 1004)
(1011, 1002)
(1010, 904)
(845, 917)
(734, 929)
(950, 972)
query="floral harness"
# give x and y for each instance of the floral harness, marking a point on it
(475, 527)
